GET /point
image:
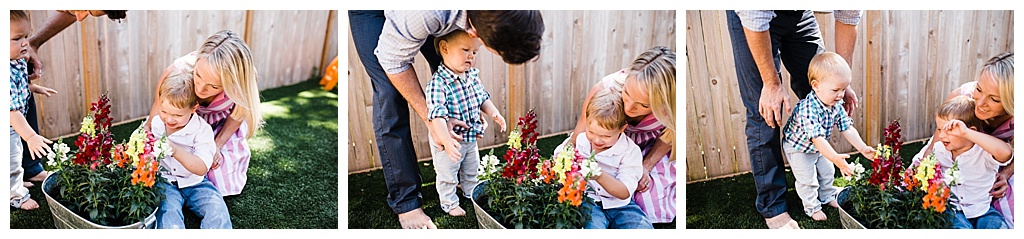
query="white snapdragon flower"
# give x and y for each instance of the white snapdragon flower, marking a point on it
(858, 170)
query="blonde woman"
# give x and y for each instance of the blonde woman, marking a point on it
(225, 82)
(993, 92)
(648, 95)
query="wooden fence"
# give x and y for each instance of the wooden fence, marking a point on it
(579, 48)
(905, 64)
(125, 58)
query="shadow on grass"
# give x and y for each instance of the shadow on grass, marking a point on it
(293, 172)
(728, 203)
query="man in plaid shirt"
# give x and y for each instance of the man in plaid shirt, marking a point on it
(455, 93)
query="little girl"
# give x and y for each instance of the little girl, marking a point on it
(229, 99)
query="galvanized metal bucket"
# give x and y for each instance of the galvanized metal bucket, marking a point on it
(64, 218)
(848, 221)
(484, 219)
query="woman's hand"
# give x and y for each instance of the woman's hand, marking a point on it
(999, 187)
(645, 182)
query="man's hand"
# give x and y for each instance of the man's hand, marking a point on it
(774, 99)
(35, 64)
(850, 101)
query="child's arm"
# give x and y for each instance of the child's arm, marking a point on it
(853, 137)
(614, 187)
(37, 144)
(830, 153)
(194, 164)
(38, 89)
(1000, 151)
(490, 110)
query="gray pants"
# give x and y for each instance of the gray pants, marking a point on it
(814, 175)
(449, 174)
(18, 190)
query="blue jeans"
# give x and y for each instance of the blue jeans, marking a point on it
(795, 40)
(629, 216)
(390, 114)
(990, 220)
(203, 199)
(32, 166)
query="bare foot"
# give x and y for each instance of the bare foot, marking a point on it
(415, 219)
(39, 177)
(29, 205)
(457, 211)
(28, 184)
(834, 204)
(782, 221)
(819, 216)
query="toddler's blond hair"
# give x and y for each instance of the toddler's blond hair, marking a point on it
(178, 87)
(960, 108)
(606, 108)
(826, 64)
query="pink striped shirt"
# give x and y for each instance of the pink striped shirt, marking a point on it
(230, 177)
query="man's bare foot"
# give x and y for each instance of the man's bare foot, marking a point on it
(29, 205)
(39, 177)
(415, 219)
(782, 221)
(457, 211)
(834, 204)
(819, 216)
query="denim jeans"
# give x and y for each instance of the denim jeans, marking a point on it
(461, 172)
(795, 40)
(31, 166)
(629, 216)
(990, 220)
(814, 176)
(203, 199)
(390, 114)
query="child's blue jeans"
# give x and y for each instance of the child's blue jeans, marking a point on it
(990, 220)
(629, 216)
(203, 199)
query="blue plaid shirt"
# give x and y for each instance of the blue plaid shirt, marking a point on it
(19, 86)
(452, 97)
(812, 119)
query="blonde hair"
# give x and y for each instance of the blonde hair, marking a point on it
(826, 64)
(448, 38)
(960, 108)
(19, 15)
(606, 108)
(229, 54)
(655, 70)
(178, 88)
(1000, 68)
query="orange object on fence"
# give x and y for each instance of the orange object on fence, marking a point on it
(330, 78)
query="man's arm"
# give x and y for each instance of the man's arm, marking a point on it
(774, 97)
(846, 39)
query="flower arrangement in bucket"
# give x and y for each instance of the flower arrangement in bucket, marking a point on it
(891, 196)
(108, 185)
(528, 191)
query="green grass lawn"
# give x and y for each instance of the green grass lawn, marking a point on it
(728, 203)
(367, 196)
(293, 172)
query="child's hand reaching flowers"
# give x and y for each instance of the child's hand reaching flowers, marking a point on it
(868, 152)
